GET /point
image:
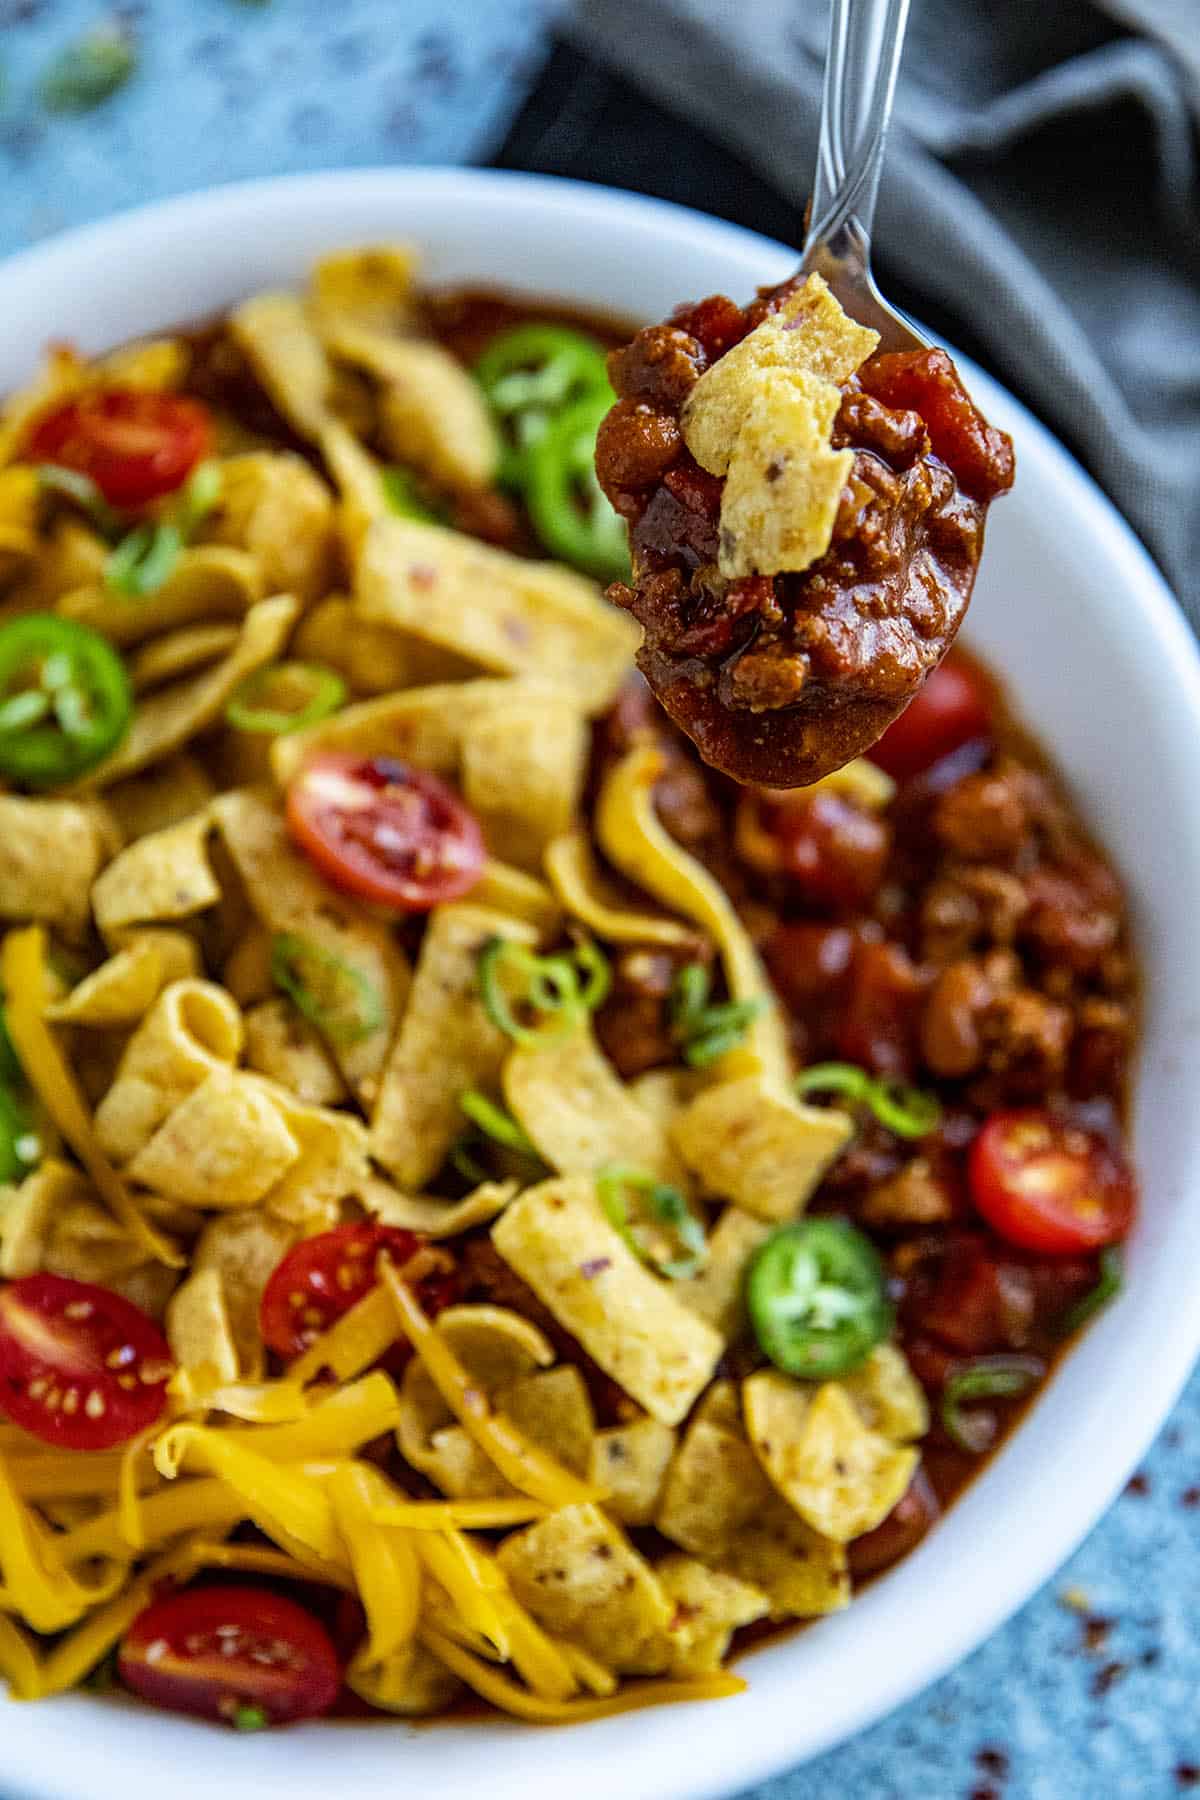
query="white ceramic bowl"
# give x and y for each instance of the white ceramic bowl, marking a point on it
(1071, 611)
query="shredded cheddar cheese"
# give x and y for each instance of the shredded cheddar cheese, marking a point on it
(382, 1559)
(491, 1685)
(23, 975)
(284, 1502)
(359, 1339)
(37, 1583)
(529, 1469)
(465, 1515)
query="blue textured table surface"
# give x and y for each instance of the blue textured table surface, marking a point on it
(1090, 1692)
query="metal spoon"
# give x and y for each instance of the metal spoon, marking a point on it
(865, 41)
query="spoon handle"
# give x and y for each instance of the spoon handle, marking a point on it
(865, 41)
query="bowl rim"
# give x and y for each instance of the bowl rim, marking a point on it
(708, 1750)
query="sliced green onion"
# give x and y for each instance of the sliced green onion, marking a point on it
(495, 1123)
(596, 971)
(143, 559)
(54, 479)
(990, 1378)
(326, 691)
(89, 72)
(201, 492)
(400, 492)
(513, 976)
(250, 1718)
(906, 1111)
(689, 995)
(706, 1050)
(328, 992)
(707, 1031)
(146, 556)
(846, 1080)
(553, 985)
(465, 1162)
(1112, 1280)
(664, 1212)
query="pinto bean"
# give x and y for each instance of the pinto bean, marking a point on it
(635, 446)
(951, 1040)
(980, 1015)
(982, 818)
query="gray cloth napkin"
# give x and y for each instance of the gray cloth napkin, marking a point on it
(1010, 195)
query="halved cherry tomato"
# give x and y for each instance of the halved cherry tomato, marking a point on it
(390, 834)
(241, 1655)
(322, 1277)
(135, 445)
(1047, 1185)
(951, 708)
(981, 455)
(81, 1367)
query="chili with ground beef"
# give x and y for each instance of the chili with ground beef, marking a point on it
(779, 679)
(968, 937)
